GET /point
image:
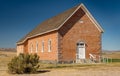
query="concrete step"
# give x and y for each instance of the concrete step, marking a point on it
(82, 61)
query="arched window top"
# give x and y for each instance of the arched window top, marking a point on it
(80, 43)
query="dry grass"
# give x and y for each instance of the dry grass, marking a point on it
(113, 55)
(64, 69)
(5, 57)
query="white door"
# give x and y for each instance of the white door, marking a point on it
(81, 52)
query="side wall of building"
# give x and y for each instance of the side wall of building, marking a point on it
(20, 49)
(78, 28)
(45, 46)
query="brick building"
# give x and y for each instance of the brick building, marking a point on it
(71, 35)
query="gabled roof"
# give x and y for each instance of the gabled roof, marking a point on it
(56, 22)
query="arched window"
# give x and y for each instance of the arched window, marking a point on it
(31, 48)
(36, 46)
(42, 50)
(49, 45)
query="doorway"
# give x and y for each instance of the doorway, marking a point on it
(80, 50)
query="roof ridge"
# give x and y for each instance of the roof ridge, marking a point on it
(56, 22)
(30, 34)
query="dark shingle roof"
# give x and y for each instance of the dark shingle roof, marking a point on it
(57, 21)
(50, 24)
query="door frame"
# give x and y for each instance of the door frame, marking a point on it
(80, 44)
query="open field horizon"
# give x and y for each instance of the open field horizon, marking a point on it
(101, 69)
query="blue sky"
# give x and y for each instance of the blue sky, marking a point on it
(18, 17)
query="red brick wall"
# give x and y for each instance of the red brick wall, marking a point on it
(45, 55)
(73, 31)
(26, 47)
(63, 42)
(20, 49)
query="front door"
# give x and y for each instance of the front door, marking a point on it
(81, 50)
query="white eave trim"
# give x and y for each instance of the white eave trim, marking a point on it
(69, 17)
(35, 36)
(92, 18)
(87, 13)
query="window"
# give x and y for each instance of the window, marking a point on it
(31, 48)
(42, 50)
(22, 49)
(36, 46)
(49, 45)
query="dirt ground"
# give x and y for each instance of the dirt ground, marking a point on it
(83, 72)
(111, 69)
(100, 71)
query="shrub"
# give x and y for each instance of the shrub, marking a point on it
(24, 63)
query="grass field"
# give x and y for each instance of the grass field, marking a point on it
(5, 57)
(113, 55)
(103, 69)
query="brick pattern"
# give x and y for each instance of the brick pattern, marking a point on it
(45, 55)
(20, 49)
(74, 31)
(63, 42)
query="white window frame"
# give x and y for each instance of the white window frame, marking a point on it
(31, 48)
(42, 48)
(22, 49)
(36, 46)
(49, 45)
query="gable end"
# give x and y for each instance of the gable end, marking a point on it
(88, 14)
(66, 16)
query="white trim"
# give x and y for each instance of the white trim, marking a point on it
(92, 21)
(78, 51)
(31, 48)
(49, 45)
(42, 48)
(89, 15)
(69, 17)
(36, 35)
(36, 46)
(84, 9)
(92, 18)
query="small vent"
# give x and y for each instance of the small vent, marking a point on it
(81, 21)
